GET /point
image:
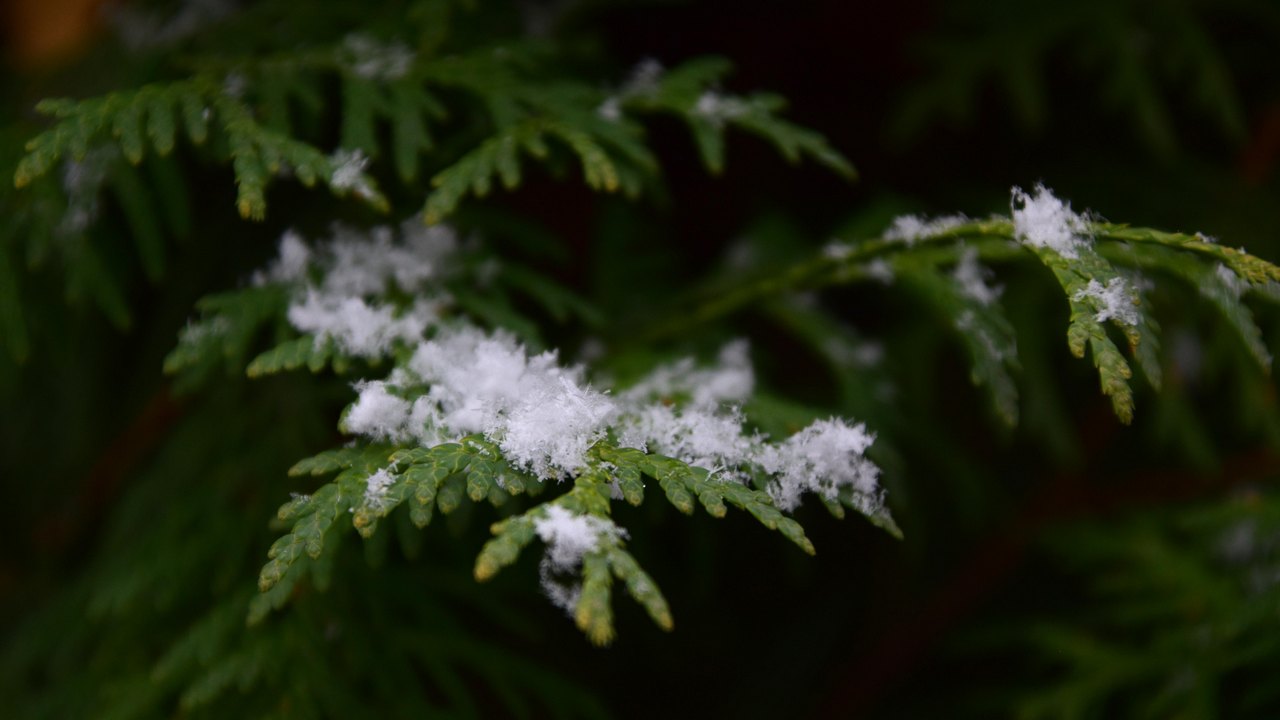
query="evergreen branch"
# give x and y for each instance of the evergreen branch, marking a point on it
(145, 118)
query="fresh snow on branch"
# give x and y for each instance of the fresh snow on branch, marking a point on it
(1041, 220)
(457, 379)
(1114, 301)
(569, 536)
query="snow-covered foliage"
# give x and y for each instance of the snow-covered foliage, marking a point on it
(1114, 301)
(1041, 220)
(973, 278)
(910, 229)
(371, 59)
(568, 536)
(356, 270)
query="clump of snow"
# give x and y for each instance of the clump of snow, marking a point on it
(347, 173)
(879, 270)
(362, 264)
(376, 486)
(358, 327)
(717, 109)
(644, 81)
(645, 78)
(377, 413)
(972, 278)
(837, 249)
(698, 436)
(730, 380)
(823, 458)
(909, 229)
(291, 263)
(610, 109)
(82, 182)
(541, 414)
(569, 536)
(356, 270)
(1114, 301)
(374, 60)
(1041, 220)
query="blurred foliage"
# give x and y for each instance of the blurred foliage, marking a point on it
(1065, 565)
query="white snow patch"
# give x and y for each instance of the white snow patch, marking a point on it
(910, 229)
(376, 486)
(1041, 220)
(357, 327)
(373, 60)
(569, 536)
(716, 108)
(377, 413)
(823, 458)
(1115, 301)
(972, 277)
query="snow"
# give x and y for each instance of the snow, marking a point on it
(730, 380)
(347, 173)
(1234, 284)
(910, 229)
(716, 108)
(360, 328)
(455, 379)
(541, 414)
(822, 458)
(1041, 220)
(1114, 301)
(377, 413)
(569, 536)
(373, 60)
(972, 278)
(376, 486)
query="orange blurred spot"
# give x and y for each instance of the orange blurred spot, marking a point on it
(45, 32)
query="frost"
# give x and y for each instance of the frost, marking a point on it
(910, 229)
(1115, 301)
(1043, 221)
(972, 277)
(373, 60)
(824, 458)
(376, 486)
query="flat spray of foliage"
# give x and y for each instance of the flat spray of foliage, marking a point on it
(454, 400)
